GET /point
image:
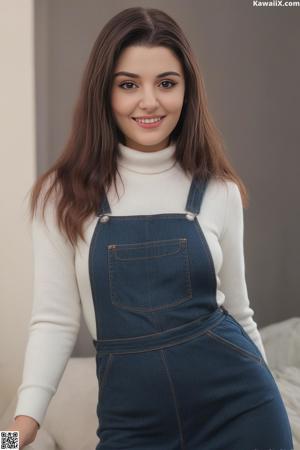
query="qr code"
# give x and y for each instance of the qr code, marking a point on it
(9, 439)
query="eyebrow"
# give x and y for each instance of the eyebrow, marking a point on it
(134, 75)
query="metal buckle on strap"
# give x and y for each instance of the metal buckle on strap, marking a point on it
(104, 218)
(190, 215)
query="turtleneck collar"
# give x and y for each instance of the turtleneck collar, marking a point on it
(147, 162)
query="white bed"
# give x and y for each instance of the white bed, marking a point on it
(282, 344)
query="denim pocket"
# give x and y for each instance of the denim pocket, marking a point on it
(149, 276)
(253, 345)
(232, 335)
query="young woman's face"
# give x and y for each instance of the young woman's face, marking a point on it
(148, 89)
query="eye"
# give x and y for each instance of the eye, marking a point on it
(130, 83)
(126, 83)
(168, 81)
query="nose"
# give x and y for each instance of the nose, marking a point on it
(148, 99)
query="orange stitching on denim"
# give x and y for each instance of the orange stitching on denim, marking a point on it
(183, 446)
(102, 383)
(234, 346)
(167, 344)
(188, 296)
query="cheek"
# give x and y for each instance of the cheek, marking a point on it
(121, 105)
(173, 104)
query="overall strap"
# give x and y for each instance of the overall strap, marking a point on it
(195, 196)
(104, 207)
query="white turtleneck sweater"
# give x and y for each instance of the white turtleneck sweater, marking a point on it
(61, 279)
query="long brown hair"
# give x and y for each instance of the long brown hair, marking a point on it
(87, 165)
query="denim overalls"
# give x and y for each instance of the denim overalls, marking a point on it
(175, 370)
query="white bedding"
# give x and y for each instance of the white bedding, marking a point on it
(282, 345)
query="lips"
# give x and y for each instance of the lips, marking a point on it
(149, 125)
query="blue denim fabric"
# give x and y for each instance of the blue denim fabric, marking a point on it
(175, 371)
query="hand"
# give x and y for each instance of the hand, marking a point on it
(27, 427)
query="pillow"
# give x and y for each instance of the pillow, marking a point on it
(281, 341)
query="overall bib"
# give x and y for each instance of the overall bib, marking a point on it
(175, 371)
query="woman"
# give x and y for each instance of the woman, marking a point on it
(160, 270)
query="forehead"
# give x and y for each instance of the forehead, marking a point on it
(148, 61)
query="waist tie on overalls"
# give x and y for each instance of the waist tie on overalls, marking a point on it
(161, 339)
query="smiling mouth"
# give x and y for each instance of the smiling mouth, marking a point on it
(156, 118)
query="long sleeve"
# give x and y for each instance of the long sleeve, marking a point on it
(232, 273)
(55, 317)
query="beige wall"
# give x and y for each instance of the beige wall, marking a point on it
(17, 172)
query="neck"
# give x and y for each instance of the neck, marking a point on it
(147, 162)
